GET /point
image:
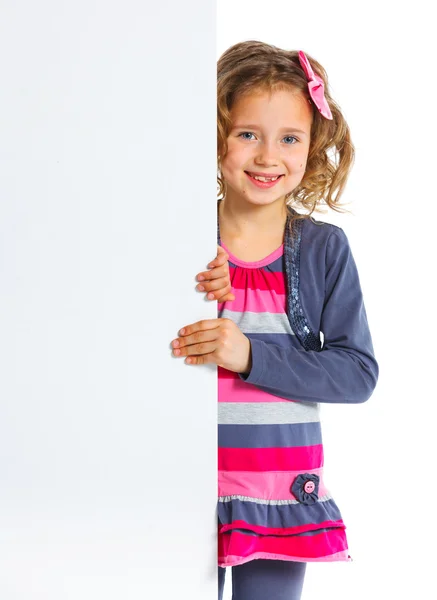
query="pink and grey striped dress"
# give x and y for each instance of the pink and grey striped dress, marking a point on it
(273, 501)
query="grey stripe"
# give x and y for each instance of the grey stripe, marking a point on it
(273, 413)
(279, 515)
(225, 499)
(255, 322)
(269, 436)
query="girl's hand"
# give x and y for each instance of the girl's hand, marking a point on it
(218, 341)
(217, 281)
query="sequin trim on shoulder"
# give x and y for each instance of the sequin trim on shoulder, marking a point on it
(296, 316)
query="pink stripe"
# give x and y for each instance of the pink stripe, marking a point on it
(232, 389)
(319, 545)
(233, 561)
(258, 280)
(270, 459)
(265, 485)
(255, 264)
(256, 301)
(280, 531)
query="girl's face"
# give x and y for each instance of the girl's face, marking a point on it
(270, 137)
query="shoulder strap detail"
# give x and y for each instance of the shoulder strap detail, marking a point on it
(296, 316)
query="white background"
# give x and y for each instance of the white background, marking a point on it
(107, 444)
(108, 482)
(379, 456)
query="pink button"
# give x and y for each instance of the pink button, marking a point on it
(309, 487)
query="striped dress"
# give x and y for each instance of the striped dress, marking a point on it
(273, 502)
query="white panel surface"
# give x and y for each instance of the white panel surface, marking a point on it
(107, 213)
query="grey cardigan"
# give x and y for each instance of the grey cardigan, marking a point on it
(323, 297)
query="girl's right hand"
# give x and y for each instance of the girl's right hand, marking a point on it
(217, 281)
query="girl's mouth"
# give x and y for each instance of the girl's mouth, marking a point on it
(263, 184)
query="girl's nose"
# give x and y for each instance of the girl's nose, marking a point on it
(267, 155)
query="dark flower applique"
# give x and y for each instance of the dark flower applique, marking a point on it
(306, 487)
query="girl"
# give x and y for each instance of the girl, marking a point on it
(295, 333)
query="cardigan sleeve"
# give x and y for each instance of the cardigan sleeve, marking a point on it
(345, 369)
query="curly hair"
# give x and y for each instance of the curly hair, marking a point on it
(253, 66)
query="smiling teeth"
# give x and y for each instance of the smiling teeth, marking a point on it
(264, 178)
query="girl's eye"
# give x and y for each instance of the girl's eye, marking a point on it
(291, 137)
(244, 133)
(286, 137)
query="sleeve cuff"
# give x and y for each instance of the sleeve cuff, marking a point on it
(256, 372)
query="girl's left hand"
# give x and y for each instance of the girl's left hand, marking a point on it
(218, 341)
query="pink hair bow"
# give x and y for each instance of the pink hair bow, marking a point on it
(316, 87)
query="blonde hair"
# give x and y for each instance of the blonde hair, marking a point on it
(253, 67)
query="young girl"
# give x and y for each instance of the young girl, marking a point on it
(295, 333)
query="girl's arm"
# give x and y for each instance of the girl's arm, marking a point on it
(345, 370)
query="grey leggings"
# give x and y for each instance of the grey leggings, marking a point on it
(265, 580)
